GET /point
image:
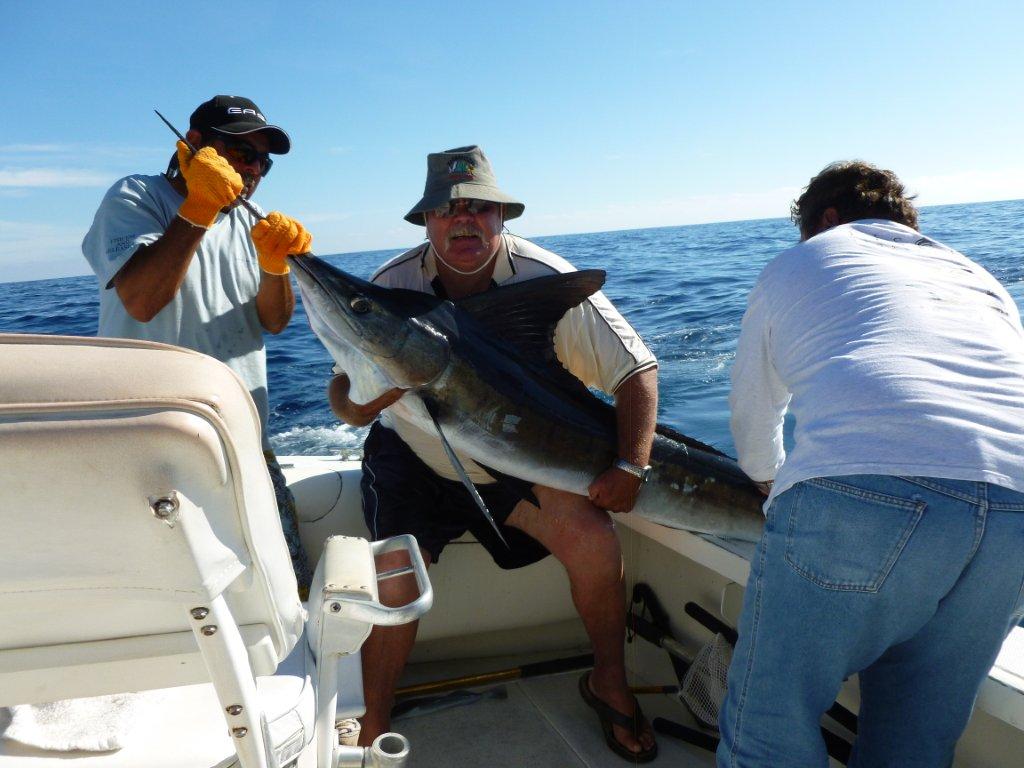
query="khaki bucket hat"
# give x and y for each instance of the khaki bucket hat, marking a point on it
(463, 172)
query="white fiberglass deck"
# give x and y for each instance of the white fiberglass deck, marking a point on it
(539, 723)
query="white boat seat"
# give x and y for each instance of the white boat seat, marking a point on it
(92, 433)
(143, 551)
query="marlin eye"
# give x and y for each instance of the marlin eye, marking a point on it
(360, 305)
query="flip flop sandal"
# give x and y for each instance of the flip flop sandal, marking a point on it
(610, 717)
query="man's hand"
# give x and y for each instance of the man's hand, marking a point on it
(212, 184)
(614, 490)
(356, 414)
(277, 236)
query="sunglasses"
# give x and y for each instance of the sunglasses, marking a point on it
(472, 206)
(244, 153)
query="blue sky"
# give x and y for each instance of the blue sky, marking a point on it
(597, 115)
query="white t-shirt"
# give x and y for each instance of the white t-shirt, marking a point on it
(896, 355)
(592, 340)
(214, 311)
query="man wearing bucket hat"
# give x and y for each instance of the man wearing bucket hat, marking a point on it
(409, 485)
(180, 261)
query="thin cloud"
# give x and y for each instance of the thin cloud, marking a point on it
(48, 245)
(53, 178)
(14, 152)
(18, 234)
(691, 209)
(968, 186)
(122, 151)
(35, 149)
(321, 218)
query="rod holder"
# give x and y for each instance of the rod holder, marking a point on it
(389, 750)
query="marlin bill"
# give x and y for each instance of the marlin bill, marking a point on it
(482, 372)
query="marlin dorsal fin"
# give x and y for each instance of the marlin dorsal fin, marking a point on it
(689, 442)
(525, 314)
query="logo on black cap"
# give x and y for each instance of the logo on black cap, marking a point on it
(237, 116)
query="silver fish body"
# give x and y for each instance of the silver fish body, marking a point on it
(484, 369)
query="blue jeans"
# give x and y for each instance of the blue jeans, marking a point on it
(911, 582)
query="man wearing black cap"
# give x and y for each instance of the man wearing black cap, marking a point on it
(180, 261)
(409, 485)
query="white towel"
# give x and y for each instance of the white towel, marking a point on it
(93, 724)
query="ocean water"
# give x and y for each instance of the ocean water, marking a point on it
(683, 288)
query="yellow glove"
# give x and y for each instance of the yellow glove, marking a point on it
(212, 184)
(277, 236)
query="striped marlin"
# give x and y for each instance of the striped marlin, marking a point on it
(482, 373)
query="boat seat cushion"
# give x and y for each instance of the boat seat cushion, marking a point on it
(184, 726)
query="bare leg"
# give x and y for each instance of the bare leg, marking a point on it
(583, 539)
(386, 650)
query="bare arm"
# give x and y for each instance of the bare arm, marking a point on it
(275, 301)
(354, 414)
(636, 413)
(152, 276)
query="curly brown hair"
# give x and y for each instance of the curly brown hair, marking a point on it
(857, 190)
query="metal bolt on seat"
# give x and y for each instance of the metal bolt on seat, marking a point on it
(164, 508)
(239, 732)
(209, 630)
(199, 613)
(234, 709)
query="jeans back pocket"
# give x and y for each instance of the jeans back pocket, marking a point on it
(846, 537)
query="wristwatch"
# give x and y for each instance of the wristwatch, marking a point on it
(644, 473)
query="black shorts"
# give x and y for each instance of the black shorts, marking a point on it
(401, 494)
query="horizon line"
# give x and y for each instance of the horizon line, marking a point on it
(563, 234)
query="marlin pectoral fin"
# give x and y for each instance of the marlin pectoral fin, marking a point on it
(461, 472)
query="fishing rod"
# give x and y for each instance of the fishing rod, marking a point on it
(657, 631)
(245, 203)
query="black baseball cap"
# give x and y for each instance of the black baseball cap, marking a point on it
(238, 116)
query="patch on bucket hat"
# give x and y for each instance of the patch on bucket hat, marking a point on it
(460, 170)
